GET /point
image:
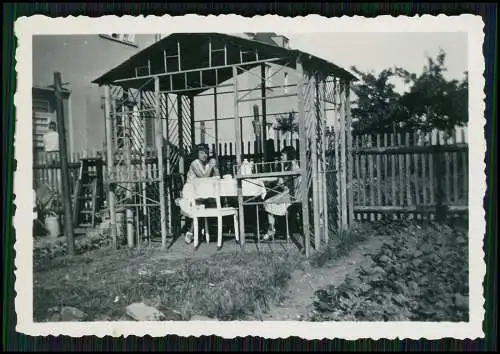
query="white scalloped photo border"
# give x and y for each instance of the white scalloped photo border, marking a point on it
(26, 27)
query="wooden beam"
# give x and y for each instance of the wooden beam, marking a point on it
(314, 162)
(350, 194)
(216, 116)
(127, 127)
(228, 66)
(63, 157)
(191, 114)
(325, 146)
(343, 167)
(180, 131)
(159, 149)
(264, 109)
(303, 158)
(238, 158)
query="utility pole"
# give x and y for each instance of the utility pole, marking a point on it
(63, 158)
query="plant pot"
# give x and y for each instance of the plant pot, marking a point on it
(52, 225)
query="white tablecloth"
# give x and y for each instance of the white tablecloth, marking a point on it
(227, 188)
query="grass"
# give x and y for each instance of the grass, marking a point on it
(227, 286)
(340, 243)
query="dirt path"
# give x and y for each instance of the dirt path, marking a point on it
(303, 284)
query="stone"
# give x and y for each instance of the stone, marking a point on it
(171, 315)
(69, 313)
(141, 312)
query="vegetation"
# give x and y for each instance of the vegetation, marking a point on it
(431, 102)
(228, 286)
(419, 274)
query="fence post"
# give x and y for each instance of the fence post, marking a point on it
(439, 161)
(63, 158)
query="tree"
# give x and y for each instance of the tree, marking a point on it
(378, 106)
(287, 124)
(432, 101)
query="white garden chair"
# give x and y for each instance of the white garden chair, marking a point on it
(210, 188)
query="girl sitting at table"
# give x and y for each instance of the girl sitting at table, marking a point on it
(278, 204)
(201, 167)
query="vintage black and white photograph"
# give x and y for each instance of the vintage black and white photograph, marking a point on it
(257, 174)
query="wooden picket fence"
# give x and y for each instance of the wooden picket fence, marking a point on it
(406, 174)
(396, 174)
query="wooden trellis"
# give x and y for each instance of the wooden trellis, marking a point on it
(153, 96)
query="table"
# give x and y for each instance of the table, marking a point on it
(228, 187)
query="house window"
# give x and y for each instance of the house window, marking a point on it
(41, 106)
(125, 38)
(285, 83)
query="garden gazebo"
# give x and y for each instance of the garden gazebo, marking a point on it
(150, 100)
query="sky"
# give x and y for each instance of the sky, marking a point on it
(377, 51)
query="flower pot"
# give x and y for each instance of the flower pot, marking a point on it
(52, 225)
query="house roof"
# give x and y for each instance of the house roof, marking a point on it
(153, 56)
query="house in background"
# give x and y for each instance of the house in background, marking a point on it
(44, 112)
(279, 81)
(79, 59)
(82, 58)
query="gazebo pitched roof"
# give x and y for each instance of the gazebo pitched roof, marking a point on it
(193, 52)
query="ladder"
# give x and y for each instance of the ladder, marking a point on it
(89, 193)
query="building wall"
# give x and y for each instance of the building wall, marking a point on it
(44, 112)
(81, 59)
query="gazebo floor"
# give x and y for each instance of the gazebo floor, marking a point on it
(179, 247)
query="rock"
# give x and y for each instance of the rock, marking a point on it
(142, 312)
(171, 315)
(461, 301)
(72, 314)
(201, 318)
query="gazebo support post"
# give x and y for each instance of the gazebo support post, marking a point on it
(350, 195)
(191, 116)
(343, 167)
(264, 111)
(238, 157)
(303, 158)
(110, 159)
(181, 133)
(314, 165)
(216, 114)
(159, 149)
(325, 146)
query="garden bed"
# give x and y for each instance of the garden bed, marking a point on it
(419, 274)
